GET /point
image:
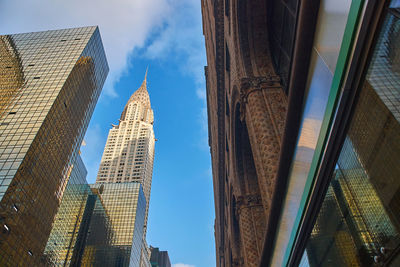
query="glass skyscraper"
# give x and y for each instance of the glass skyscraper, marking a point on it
(49, 84)
(64, 233)
(125, 205)
(79, 208)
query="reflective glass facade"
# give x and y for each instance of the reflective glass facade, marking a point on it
(81, 212)
(328, 38)
(342, 204)
(50, 82)
(125, 205)
(94, 243)
(63, 237)
(359, 221)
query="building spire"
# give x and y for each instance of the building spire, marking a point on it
(140, 95)
(144, 83)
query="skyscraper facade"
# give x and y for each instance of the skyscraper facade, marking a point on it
(49, 84)
(125, 205)
(81, 232)
(64, 233)
(129, 152)
(128, 161)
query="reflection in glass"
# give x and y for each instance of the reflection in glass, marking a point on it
(125, 207)
(11, 73)
(359, 221)
(63, 236)
(49, 84)
(332, 18)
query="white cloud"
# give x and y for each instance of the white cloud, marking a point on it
(182, 265)
(124, 24)
(181, 35)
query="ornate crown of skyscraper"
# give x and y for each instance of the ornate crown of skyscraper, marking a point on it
(141, 94)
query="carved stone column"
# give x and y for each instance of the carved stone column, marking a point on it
(263, 108)
(250, 212)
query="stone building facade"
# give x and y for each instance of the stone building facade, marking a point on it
(286, 83)
(247, 103)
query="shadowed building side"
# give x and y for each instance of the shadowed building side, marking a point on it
(303, 112)
(247, 81)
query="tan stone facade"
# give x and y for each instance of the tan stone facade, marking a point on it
(246, 112)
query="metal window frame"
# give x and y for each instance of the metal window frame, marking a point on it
(345, 102)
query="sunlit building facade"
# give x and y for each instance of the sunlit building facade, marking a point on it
(303, 106)
(129, 152)
(127, 165)
(145, 254)
(49, 84)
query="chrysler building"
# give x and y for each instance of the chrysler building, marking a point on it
(129, 152)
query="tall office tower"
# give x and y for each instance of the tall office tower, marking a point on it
(80, 219)
(127, 160)
(49, 84)
(129, 152)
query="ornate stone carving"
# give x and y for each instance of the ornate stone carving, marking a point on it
(254, 84)
(263, 105)
(247, 201)
(262, 112)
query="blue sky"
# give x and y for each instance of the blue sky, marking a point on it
(165, 35)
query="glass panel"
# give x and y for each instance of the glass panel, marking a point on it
(332, 20)
(323, 62)
(359, 221)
